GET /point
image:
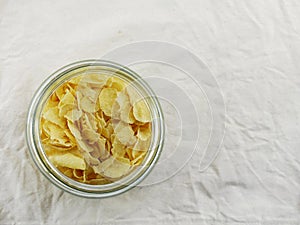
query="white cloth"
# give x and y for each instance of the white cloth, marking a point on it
(253, 48)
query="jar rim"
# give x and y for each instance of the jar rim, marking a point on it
(48, 170)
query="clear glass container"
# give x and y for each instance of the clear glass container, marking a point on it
(51, 172)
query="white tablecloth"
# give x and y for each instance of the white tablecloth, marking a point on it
(252, 47)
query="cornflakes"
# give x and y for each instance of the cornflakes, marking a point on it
(96, 129)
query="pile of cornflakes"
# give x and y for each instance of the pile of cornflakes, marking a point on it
(96, 128)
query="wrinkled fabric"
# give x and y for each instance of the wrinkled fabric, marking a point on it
(253, 49)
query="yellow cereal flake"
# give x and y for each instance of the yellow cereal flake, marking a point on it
(68, 160)
(107, 98)
(94, 80)
(144, 132)
(73, 115)
(125, 108)
(67, 98)
(52, 115)
(117, 83)
(118, 149)
(87, 105)
(141, 112)
(125, 133)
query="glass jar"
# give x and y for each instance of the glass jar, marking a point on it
(33, 129)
